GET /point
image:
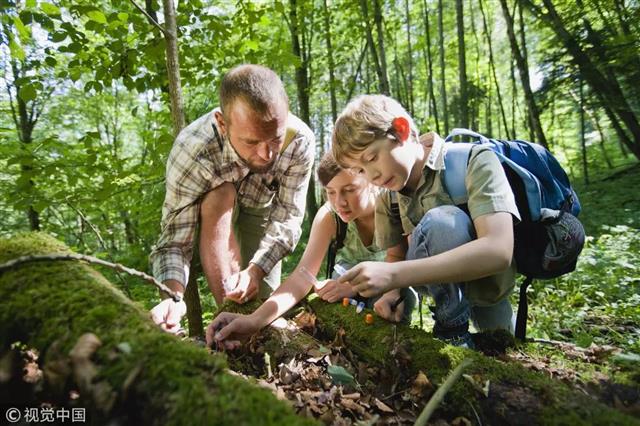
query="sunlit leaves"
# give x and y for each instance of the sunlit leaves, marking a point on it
(50, 9)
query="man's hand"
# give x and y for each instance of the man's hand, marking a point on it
(384, 307)
(332, 291)
(243, 286)
(371, 278)
(168, 313)
(228, 330)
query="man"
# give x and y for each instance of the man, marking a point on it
(241, 172)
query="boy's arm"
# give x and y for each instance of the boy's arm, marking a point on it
(487, 255)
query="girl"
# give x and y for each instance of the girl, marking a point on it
(352, 199)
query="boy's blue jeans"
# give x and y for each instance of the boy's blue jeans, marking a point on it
(441, 229)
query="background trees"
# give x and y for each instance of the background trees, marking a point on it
(86, 119)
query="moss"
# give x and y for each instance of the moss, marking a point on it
(545, 401)
(56, 302)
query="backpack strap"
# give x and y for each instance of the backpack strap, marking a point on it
(336, 244)
(455, 162)
(288, 138)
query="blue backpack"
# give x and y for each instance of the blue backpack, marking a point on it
(549, 237)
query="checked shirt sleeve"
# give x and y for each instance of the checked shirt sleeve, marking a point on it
(187, 179)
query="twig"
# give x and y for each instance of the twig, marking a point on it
(102, 243)
(72, 256)
(150, 18)
(437, 397)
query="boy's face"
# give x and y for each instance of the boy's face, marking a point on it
(386, 163)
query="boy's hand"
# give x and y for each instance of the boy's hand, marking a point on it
(333, 291)
(371, 278)
(228, 330)
(384, 306)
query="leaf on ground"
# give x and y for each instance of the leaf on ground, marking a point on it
(478, 384)
(306, 321)
(382, 406)
(420, 385)
(340, 376)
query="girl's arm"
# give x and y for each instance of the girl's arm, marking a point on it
(296, 286)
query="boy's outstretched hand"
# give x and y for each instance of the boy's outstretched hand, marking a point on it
(228, 330)
(332, 291)
(371, 278)
(387, 308)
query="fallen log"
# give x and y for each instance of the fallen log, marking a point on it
(495, 392)
(100, 351)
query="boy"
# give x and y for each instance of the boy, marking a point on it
(464, 261)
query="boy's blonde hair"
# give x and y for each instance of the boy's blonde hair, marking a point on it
(364, 120)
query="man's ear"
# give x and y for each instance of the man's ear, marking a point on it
(220, 122)
(401, 127)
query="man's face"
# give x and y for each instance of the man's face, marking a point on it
(256, 140)
(386, 163)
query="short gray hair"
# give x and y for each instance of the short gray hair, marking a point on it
(259, 87)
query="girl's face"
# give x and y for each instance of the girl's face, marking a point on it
(349, 194)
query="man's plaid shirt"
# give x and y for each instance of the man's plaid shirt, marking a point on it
(202, 160)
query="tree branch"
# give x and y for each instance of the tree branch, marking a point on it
(90, 259)
(151, 20)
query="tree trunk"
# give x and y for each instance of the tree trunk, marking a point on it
(410, 59)
(462, 67)
(609, 90)
(332, 78)
(443, 84)
(377, 19)
(583, 142)
(173, 66)
(492, 67)
(138, 374)
(383, 84)
(523, 46)
(429, 59)
(302, 86)
(524, 77)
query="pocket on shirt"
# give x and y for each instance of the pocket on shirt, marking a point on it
(254, 193)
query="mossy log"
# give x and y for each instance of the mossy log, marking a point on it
(137, 374)
(516, 395)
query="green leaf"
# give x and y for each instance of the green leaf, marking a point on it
(51, 61)
(23, 31)
(97, 16)
(124, 17)
(50, 9)
(58, 36)
(27, 93)
(124, 347)
(29, 4)
(16, 50)
(626, 358)
(340, 376)
(584, 340)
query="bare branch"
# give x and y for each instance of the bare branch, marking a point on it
(90, 259)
